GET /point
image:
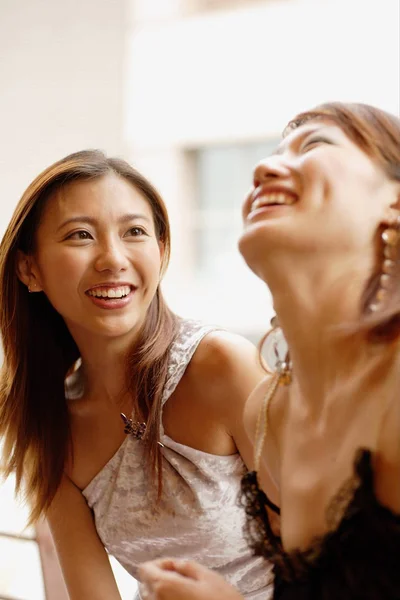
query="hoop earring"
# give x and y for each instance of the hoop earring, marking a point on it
(390, 238)
(274, 354)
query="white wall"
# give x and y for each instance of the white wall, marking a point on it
(61, 85)
(243, 73)
(62, 67)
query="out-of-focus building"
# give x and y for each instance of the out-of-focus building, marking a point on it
(211, 84)
(193, 93)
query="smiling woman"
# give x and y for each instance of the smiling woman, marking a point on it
(322, 230)
(112, 255)
(122, 422)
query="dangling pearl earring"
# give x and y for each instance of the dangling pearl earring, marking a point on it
(390, 238)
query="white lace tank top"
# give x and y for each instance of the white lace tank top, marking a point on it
(198, 517)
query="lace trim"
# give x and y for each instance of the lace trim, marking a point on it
(182, 349)
(355, 496)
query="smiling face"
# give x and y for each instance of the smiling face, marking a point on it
(97, 257)
(319, 193)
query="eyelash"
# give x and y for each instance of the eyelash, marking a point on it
(315, 140)
(140, 229)
(76, 235)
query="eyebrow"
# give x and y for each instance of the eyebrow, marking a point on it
(299, 138)
(91, 221)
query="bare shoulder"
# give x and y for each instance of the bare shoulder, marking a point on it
(222, 353)
(228, 368)
(217, 382)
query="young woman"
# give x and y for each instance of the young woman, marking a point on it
(122, 422)
(322, 229)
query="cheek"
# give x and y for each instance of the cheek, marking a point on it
(341, 185)
(60, 273)
(322, 173)
(147, 263)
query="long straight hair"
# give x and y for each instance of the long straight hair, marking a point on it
(39, 349)
(377, 133)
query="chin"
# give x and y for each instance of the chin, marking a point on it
(119, 330)
(110, 329)
(253, 245)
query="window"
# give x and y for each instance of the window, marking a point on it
(222, 287)
(224, 175)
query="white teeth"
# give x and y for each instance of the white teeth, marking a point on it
(118, 292)
(273, 198)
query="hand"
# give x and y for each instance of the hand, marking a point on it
(169, 579)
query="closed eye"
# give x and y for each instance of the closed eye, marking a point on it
(314, 141)
(135, 232)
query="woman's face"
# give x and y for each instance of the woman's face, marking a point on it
(319, 193)
(97, 257)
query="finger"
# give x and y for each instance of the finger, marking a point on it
(167, 564)
(188, 568)
(181, 566)
(163, 583)
(158, 570)
(149, 571)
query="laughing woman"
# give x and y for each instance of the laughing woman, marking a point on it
(122, 422)
(322, 229)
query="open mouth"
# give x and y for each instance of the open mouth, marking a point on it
(273, 199)
(110, 293)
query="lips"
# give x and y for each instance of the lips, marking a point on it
(111, 297)
(110, 291)
(269, 197)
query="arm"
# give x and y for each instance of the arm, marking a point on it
(52, 577)
(84, 561)
(169, 579)
(240, 387)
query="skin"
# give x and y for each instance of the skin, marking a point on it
(316, 256)
(84, 239)
(179, 579)
(313, 292)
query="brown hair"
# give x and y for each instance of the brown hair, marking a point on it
(377, 133)
(39, 350)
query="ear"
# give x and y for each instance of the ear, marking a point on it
(27, 272)
(392, 217)
(392, 211)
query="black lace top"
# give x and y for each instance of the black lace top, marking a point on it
(358, 560)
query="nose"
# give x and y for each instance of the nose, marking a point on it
(272, 167)
(111, 257)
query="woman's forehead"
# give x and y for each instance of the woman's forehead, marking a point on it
(113, 196)
(297, 133)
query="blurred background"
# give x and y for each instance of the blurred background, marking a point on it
(193, 93)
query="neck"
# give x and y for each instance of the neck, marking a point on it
(104, 366)
(313, 304)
